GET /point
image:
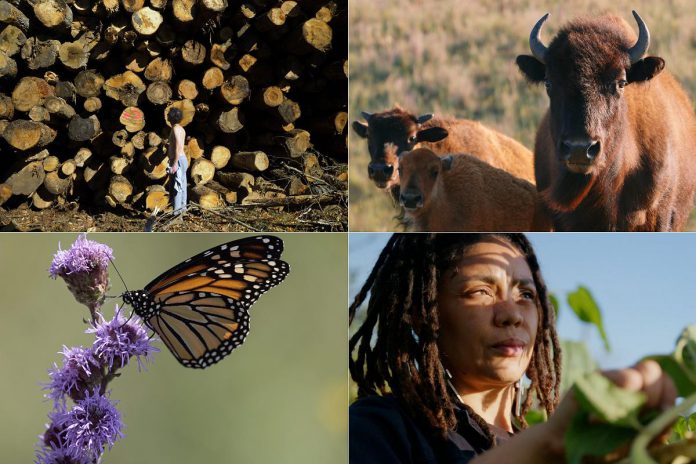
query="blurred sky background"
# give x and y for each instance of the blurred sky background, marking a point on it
(280, 397)
(645, 285)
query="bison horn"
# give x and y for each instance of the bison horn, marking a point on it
(423, 118)
(366, 115)
(535, 44)
(638, 50)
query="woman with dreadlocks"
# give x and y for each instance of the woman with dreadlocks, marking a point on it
(453, 323)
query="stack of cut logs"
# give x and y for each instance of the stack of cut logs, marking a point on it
(85, 86)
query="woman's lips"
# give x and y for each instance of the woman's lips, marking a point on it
(509, 348)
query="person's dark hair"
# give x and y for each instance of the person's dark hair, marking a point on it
(395, 348)
(174, 116)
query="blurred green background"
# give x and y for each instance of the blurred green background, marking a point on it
(280, 397)
(458, 58)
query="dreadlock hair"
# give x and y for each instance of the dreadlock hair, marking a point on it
(395, 348)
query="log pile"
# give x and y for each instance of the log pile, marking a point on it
(85, 86)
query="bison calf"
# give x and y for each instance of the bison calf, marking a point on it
(407, 131)
(462, 193)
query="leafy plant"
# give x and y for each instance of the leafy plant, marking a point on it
(610, 416)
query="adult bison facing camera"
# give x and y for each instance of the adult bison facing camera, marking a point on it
(617, 148)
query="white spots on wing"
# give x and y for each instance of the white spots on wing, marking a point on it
(250, 278)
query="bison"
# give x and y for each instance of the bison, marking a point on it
(441, 135)
(616, 149)
(462, 193)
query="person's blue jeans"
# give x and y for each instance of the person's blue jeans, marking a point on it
(180, 199)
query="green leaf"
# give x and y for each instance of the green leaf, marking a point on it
(585, 307)
(592, 439)
(576, 362)
(535, 416)
(598, 395)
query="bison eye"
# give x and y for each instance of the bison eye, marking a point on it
(621, 83)
(412, 139)
(433, 172)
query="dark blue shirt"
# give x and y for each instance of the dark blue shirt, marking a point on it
(383, 432)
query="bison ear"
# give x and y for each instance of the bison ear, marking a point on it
(645, 69)
(447, 162)
(533, 69)
(360, 128)
(431, 134)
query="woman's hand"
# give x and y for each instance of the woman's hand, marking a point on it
(173, 168)
(646, 377)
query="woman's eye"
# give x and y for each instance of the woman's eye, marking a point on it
(528, 294)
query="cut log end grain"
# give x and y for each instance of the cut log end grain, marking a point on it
(215, 5)
(241, 182)
(229, 121)
(183, 10)
(125, 88)
(235, 90)
(42, 198)
(39, 114)
(83, 129)
(213, 78)
(193, 53)
(30, 92)
(133, 119)
(6, 107)
(220, 156)
(207, 198)
(92, 104)
(11, 40)
(159, 69)
(202, 171)
(73, 55)
(159, 93)
(217, 55)
(315, 34)
(53, 13)
(59, 107)
(56, 183)
(193, 149)
(88, 83)
(156, 197)
(187, 89)
(50, 163)
(120, 189)
(146, 21)
(25, 135)
(250, 161)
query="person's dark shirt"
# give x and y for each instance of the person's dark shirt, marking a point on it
(383, 432)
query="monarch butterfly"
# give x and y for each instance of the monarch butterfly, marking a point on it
(199, 308)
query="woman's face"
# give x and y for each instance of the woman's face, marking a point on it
(488, 316)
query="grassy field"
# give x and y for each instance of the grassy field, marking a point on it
(458, 58)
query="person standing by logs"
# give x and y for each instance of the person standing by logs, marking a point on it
(177, 159)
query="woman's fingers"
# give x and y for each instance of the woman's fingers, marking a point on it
(646, 376)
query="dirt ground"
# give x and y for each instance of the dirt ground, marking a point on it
(71, 218)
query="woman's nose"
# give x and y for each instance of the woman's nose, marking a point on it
(507, 312)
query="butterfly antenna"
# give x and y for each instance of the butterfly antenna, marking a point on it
(119, 274)
(124, 285)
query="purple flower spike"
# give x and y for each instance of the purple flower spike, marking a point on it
(57, 455)
(80, 371)
(91, 425)
(118, 340)
(84, 268)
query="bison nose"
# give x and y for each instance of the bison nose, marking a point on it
(380, 171)
(579, 151)
(411, 199)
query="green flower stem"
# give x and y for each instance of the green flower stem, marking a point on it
(639, 449)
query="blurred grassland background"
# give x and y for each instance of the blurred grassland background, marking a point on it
(280, 397)
(458, 58)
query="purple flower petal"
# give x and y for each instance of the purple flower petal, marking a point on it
(118, 340)
(92, 424)
(79, 372)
